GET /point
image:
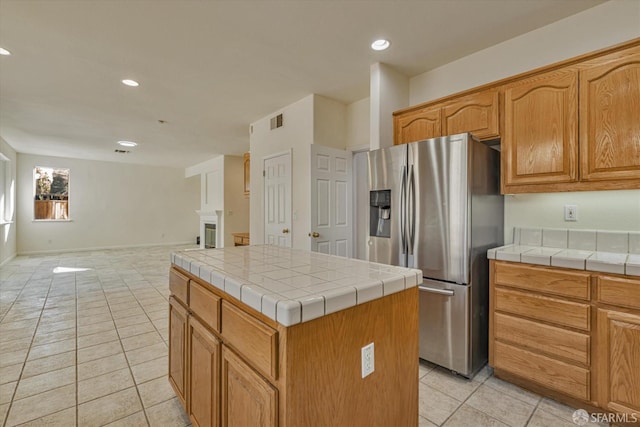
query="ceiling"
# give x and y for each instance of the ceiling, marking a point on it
(210, 68)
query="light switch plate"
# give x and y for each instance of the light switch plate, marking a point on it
(367, 360)
(570, 212)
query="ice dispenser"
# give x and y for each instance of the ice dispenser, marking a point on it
(380, 213)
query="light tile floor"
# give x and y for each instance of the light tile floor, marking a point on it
(88, 347)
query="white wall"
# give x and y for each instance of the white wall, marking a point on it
(613, 22)
(296, 134)
(236, 205)
(389, 91)
(8, 241)
(358, 125)
(110, 205)
(329, 122)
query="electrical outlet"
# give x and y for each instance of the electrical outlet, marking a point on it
(570, 212)
(367, 360)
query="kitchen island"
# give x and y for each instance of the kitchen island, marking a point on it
(270, 336)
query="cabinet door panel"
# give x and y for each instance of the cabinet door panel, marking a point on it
(418, 125)
(247, 399)
(204, 376)
(618, 361)
(609, 118)
(178, 348)
(541, 129)
(477, 114)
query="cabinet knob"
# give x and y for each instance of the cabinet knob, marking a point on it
(285, 230)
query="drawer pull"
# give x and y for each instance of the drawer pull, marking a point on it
(447, 292)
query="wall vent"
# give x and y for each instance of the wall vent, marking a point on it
(122, 151)
(276, 122)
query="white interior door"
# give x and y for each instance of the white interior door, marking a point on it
(331, 201)
(277, 200)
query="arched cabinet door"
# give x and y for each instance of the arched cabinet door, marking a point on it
(424, 123)
(540, 141)
(610, 117)
(476, 114)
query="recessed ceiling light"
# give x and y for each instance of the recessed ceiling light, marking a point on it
(127, 143)
(131, 83)
(381, 44)
(4, 51)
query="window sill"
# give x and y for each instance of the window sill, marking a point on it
(52, 220)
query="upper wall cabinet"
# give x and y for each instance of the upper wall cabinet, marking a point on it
(476, 113)
(417, 125)
(540, 141)
(610, 117)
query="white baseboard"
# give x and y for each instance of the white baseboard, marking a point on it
(103, 248)
(8, 259)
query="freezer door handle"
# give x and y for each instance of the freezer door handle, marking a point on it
(411, 231)
(447, 292)
(403, 210)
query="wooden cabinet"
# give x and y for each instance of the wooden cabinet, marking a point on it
(246, 162)
(204, 376)
(540, 141)
(476, 113)
(610, 117)
(618, 344)
(541, 336)
(247, 399)
(417, 125)
(178, 348)
(241, 239)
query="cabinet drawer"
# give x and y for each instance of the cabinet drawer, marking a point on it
(553, 281)
(205, 305)
(257, 342)
(619, 291)
(550, 373)
(569, 345)
(179, 285)
(563, 313)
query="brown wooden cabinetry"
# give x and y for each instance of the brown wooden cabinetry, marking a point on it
(618, 344)
(610, 117)
(417, 125)
(178, 348)
(204, 375)
(476, 113)
(247, 399)
(540, 141)
(541, 334)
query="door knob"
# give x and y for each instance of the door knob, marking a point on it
(285, 230)
(314, 234)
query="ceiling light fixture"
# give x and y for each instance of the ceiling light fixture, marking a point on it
(128, 143)
(4, 51)
(131, 83)
(381, 44)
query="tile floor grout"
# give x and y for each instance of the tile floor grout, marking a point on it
(122, 300)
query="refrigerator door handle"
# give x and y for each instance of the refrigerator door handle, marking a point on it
(412, 211)
(447, 292)
(403, 209)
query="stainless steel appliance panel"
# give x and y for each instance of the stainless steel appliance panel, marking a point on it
(444, 325)
(439, 208)
(386, 167)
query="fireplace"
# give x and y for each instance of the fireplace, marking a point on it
(209, 236)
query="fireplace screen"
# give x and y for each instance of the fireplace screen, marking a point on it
(209, 235)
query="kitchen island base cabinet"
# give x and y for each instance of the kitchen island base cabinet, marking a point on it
(248, 400)
(259, 372)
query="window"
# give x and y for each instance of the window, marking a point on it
(51, 193)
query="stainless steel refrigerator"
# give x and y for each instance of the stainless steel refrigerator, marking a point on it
(435, 205)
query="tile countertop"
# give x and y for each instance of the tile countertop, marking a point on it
(292, 286)
(602, 251)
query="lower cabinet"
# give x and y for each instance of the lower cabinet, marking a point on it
(204, 376)
(178, 348)
(544, 337)
(247, 399)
